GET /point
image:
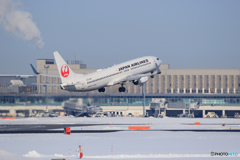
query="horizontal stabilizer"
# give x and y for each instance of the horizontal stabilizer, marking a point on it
(47, 84)
(37, 73)
(34, 70)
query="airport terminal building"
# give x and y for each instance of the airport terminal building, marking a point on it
(210, 87)
(170, 81)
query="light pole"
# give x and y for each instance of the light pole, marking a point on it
(143, 92)
(46, 66)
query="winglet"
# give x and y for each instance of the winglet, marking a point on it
(34, 70)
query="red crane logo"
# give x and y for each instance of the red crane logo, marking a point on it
(64, 70)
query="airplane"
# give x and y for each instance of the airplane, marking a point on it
(72, 107)
(134, 71)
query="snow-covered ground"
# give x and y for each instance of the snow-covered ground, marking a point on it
(125, 144)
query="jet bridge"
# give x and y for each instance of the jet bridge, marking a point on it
(158, 108)
(190, 107)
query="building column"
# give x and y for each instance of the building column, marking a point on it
(179, 83)
(155, 84)
(223, 113)
(210, 83)
(235, 83)
(160, 84)
(166, 83)
(229, 83)
(192, 83)
(198, 86)
(185, 83)
(203, 113)
(217, 85)
(30, 111)
(204, 83)
(223, 85)
(12, 112)
(173, 83)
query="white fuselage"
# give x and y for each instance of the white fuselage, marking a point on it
(103, 77)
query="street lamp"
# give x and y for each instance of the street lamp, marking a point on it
(143, 94)
(46, 66)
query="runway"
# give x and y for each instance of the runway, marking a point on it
(59, 128)
(10, 127)
(174, 138)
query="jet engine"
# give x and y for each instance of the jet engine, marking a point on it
(141, 81)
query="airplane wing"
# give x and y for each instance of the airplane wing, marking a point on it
(128, 78)
(37, 73)
(138, 76)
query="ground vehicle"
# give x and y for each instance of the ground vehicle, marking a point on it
(39, 114)
(187, 115)
(236, 115)
(99, 114)
(211, 115)
(130, 115)
(20, 115)
(54, 114)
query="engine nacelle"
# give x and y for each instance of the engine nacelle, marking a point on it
(141, 81)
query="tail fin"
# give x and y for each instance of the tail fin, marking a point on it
(65, 72)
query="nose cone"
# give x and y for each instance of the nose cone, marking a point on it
(157, 61)
(160, 62)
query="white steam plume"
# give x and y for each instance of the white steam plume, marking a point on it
(19, 22)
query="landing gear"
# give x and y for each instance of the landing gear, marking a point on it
(101, 90)
(135, 82)
(152, 75)
(122, 89)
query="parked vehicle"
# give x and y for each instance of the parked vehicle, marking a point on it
(186, 115)
(236, 115)
(211, 115)
(54, 114)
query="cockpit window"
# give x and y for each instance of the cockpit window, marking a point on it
(157, 58)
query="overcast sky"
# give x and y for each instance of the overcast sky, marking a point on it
(184, 34)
